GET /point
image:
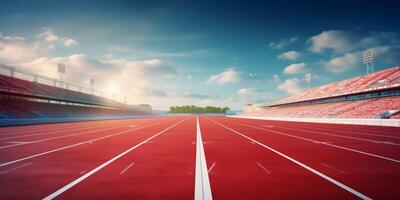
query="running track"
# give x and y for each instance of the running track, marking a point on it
(199, 158)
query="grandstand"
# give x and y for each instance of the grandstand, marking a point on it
(22, 99)
(375, 95)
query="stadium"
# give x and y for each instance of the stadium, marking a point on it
(374, 95)
(199, 100)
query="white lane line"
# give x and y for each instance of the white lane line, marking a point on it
(262, 167)
(337, 183)
(15, 168)
(334, 168)
(73, 145)
(75, 182)
(326, 143)
(49, 132)
(343, 136)
(202, 182)
(126, 168)
(54, 127)
(357, 132)
(54, 138)
(37, 129)
(212, 166)
(19, 143)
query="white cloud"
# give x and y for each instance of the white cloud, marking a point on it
(17, 49)
(230, 75)
(143, 81)
(254, 95)
(296, 68)
(343, 63)
(291, 86)
(48, 35)
(388, 55)
(51, 37)
(70, 42)
(340, 41)
(246, 91)
(283, 43)
(290, 55)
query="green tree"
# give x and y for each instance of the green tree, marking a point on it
(197, 109)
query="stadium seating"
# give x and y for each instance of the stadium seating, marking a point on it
(15, 85)
(378, 107)
(12, 109)
(383, 79)
(369, 108)
(21, 99)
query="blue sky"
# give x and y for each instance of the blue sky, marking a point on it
(199, 52)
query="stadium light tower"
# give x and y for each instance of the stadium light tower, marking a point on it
(92, 85)
(61, 70)
(368, 58)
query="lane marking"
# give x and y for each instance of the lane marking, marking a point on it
(331, 167)
(19, 143)
(202, 182)
(351, 131)
(49, 133)
(318, 142)
(130, 165)
(57, 137)
(37, 129)
(262, 167)
(73, 145)
(82, 172)
(343, 136)
(337, 183)
(53, 127)
(80, 179)
(61, 127)
(15, 168)
(326, 143)
(212, 166)
(356, 132)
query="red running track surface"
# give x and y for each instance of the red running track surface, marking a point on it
(155, 158)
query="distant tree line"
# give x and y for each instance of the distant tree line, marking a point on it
(197, 109)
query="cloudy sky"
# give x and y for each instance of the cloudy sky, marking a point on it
(223, 53)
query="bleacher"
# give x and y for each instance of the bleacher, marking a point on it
(16, 86)
(369, 96)
(23, 99)
(389, 78)
(18, 109)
